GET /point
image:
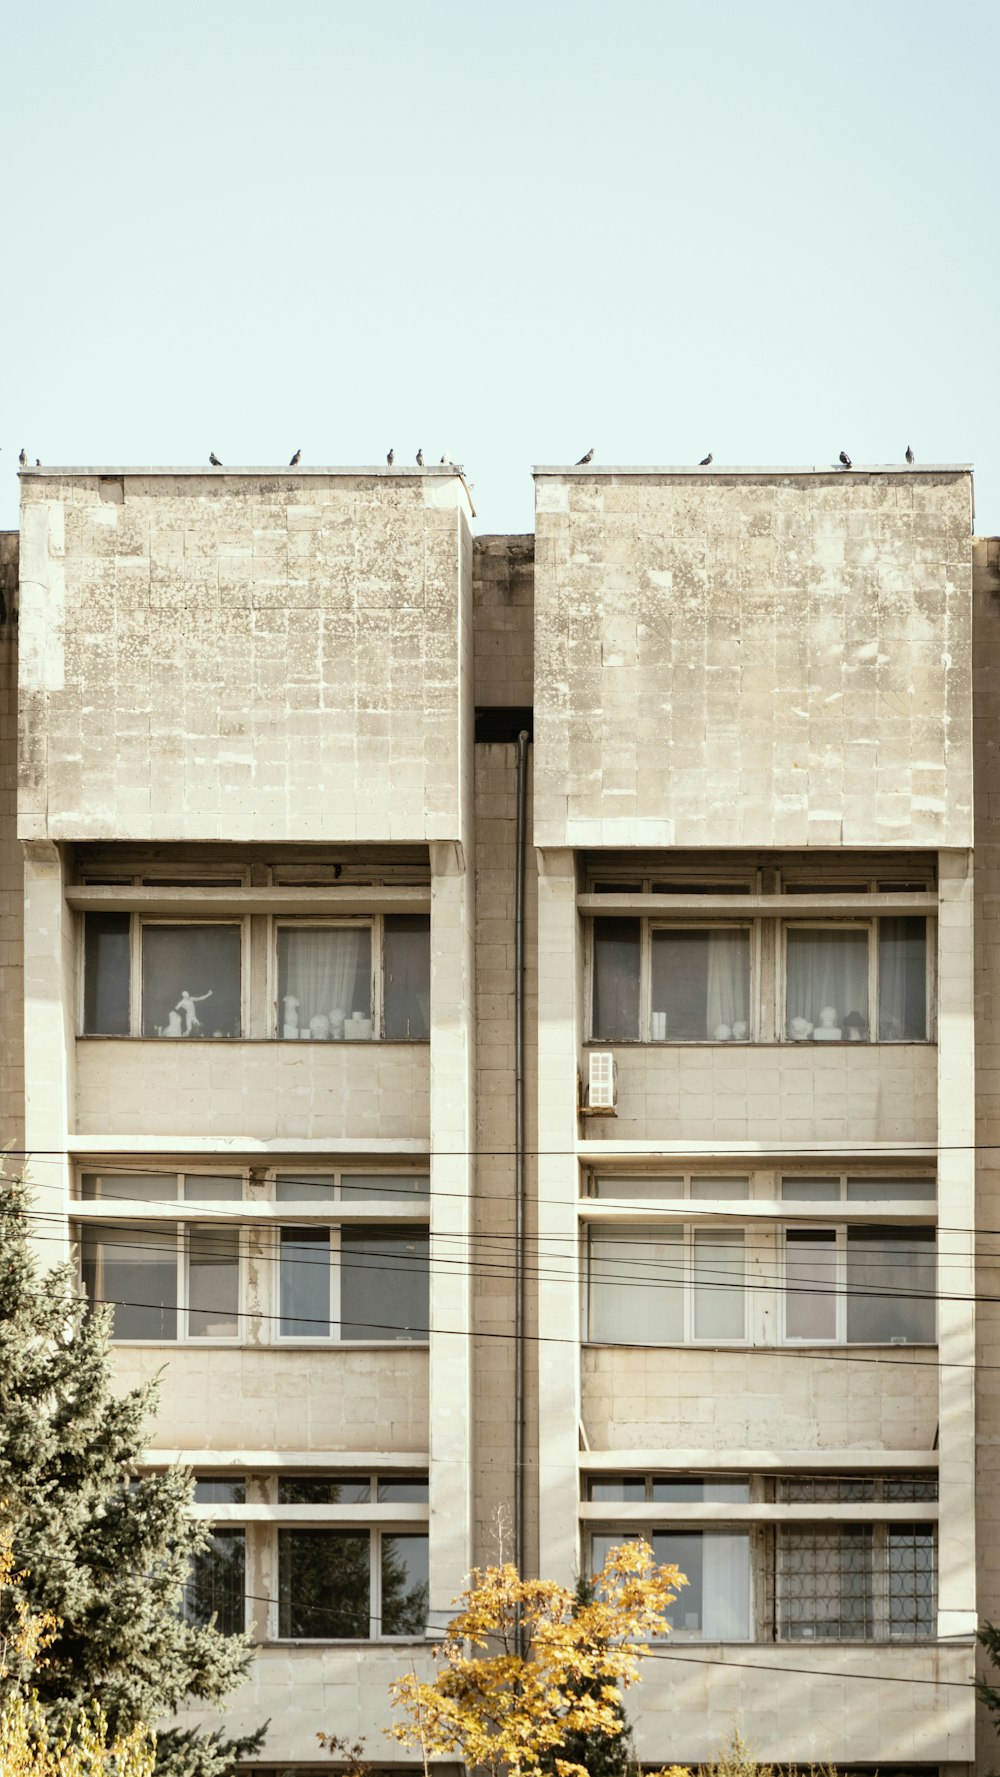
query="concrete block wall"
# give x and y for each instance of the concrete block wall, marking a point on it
(773, 658)
(11, 870)
(504, 604)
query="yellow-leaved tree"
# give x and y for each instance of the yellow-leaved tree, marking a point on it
(29, 1747)
(526, 1666)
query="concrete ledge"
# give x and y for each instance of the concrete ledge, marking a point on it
(753, 472)
(268, 469)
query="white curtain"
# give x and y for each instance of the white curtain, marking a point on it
(636, 1287)
(728, 981)
(902, 980)
(726, 1585)
(701, 984)
(321, 970)
(828, 971)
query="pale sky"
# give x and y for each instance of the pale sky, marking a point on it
(765, 228)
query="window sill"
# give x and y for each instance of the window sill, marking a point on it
(285, 1042)
(755, 1043)
(290, 1345)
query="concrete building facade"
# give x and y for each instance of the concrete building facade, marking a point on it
(261, 912)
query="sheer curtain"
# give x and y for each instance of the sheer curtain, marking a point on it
(728, 981)
(902, 980)
(328, 971)
(827, 971)
(701, 984)
(636, 1287)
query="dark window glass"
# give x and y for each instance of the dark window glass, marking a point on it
(912, 1582)
(907, 1488)
(216, 1586)
(136, 1269)
(323, 1585)
(824, 1582)
(323, 1490)
(891, 1277)
(902, 980)
(825, 1489)
(106, 974)
(701, 985)
(191, 981)
(403, 1490)
(701, 888)
(404, 1584)
(406, 956)
(384, 1283)
(205, 1187)
(359, 1187)
(625, 1488)
(304, 1283)
(213, 1282)
(219, 1490)
(683, 1489)
(616, 980)
(310, 1188)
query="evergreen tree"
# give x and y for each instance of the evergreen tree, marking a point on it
(601, 1752)
(101, 1547)
(989, 1638)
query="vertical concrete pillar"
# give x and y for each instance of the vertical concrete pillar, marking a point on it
(49, 1043)
(956, 1248)
(558, 1192)
(453, 1174)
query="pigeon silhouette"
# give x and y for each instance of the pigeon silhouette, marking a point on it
(215, 461)
(587, 459)
(909, 455)
(845, 459)
(23, 458)
(390, 457)
(446, 458)
(38, 462)
(705, 461)
(296, 459)
(420, 458)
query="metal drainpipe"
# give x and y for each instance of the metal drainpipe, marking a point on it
(522, 806)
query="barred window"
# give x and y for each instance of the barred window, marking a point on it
(856, 1582)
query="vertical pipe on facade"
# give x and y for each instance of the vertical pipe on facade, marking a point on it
(522, 808)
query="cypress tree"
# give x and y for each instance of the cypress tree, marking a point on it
(103, 1547)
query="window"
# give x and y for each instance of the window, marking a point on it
(855, 1582)
(699, 982)
(150, 978)
(216, 1586)
(166, 1282)
(332, 977)
(354, 1282)
(351, 1585)
(874, 1189)
(695, 1186)
(830, 992)
(863, 1285)
(666, 1286)
(715, 1603)
(162, 1187)
(678, 1489)
(348, 1187)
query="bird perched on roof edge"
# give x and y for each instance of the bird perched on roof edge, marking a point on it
(296, 459)
(446, 458)
(705, 461)
(215, 461)
(38, 462)
(420, 457)
(845, 459)
(909, 455)
(587, 459)
(23, 458)
(390, 457)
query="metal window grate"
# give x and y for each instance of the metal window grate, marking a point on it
(912, 1581)
(824, 1583)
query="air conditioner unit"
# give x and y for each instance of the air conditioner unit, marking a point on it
(603, 1090)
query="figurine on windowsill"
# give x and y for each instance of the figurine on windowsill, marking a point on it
(290, 1023)
(827, 1030)
(186, 1005)
(741, 1030)
(855, 1028)
(800, 1030)
(722, 1033)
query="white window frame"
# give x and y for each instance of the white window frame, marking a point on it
(325, 1223)
(375, 1533)
(688, 1232)
(839, 1230)
(181, 1228)
(648, 924)
(137, 923)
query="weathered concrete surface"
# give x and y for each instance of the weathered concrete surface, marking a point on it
(244, 657)
(762, 659)
(11, 869)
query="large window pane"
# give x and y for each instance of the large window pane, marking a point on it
(406, 955)
(404, 1584)
(616, 980)
(384, 1283)
(824, 1582)
(701, 986)
(137, 1271)
(324, 1490)
(219, 1490)
(310, 1187)
(636, 1287)
(827, 985)
(685, 1489)
(891, 1190)
(132, 1187)
(191, 981)
(403, 1490)
(891, 1280)
(719, 1284)
(361, 1187)
(106, 974)
(902, 980)
(810, 1283)
(324, 1585)
(213, 1282)
(715, 1603)
(912, 1581)
(325, 982)
(216, 1587)
(207, 1187)
(305, 1283)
